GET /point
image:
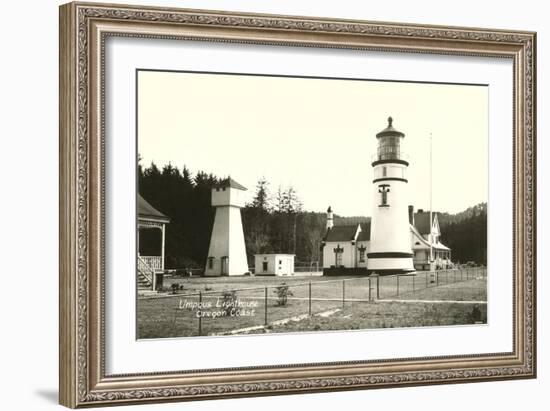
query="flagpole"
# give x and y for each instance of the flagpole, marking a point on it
(431, 223)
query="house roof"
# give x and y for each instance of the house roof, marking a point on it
(147, 211)
(421, 242)
(364, 235)
(390, 131)
(229, 182)
(341, 233)
(348, 232)
(422, 222)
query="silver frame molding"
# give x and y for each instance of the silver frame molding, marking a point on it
(83, 30)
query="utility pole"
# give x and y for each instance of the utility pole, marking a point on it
(431, 222)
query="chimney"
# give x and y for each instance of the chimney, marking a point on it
(411, 215)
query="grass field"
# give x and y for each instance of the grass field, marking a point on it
(384, 314)
(347, 300)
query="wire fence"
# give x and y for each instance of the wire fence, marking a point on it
(249, 309)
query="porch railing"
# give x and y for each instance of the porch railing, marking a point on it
(145, 271)
(154, 262)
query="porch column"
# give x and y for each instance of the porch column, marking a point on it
(162, 249)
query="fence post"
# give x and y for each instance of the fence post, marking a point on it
(265, 306)
(414, 276)
(343, 293)
(370, 290)
(397, 285)
(437, 278)
(310, 298)
(426, 277)
(200, 316)
(378, 287)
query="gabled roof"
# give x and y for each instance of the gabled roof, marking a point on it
(349, 233)
(229, 182)
(422, 221)
(423, 243)
(364, 235)
(342, 233)
(147, 211)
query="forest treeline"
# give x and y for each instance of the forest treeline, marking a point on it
(465, 233)
(273, 221)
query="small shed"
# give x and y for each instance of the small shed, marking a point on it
(273, 264)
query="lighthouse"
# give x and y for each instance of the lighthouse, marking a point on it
(390, 243)
(227, 251)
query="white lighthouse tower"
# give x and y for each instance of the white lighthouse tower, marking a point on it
(227, 251)
(390, 244)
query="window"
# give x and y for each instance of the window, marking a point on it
(264, 266)
(338, 251)
(384, 189)
(280, 262)
(210, 263)
(384, 171)
(362, 250)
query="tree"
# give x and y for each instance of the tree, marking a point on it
(261, 198)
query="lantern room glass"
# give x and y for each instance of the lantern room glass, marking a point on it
(389, 148)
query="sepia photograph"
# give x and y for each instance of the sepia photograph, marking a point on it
(282, 204)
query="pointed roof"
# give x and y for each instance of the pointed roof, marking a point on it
(341, 233)
(349, 233)
(229, 182)
(390, 131)
(364, 235)
(422, 221)
(148, 212)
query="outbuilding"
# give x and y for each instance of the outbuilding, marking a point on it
(274, 264)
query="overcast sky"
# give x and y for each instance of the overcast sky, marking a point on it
(317, 135)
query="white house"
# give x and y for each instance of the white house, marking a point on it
(227, 251)
(421, 238)
(273, 264)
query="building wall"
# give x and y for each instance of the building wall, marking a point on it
(348, 254)
(277, 264)
(228, 196)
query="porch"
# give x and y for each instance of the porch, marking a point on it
(151, 241)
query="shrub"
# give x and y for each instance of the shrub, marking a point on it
(229, 299)
(282, 292)
(175, 287)
(475, 315)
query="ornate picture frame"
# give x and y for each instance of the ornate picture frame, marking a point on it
(84, 29)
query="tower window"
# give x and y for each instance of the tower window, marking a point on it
(210, 262)
(264, 266)
(384, 171)
(384, 189)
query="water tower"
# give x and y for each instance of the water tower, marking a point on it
(227, 251)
